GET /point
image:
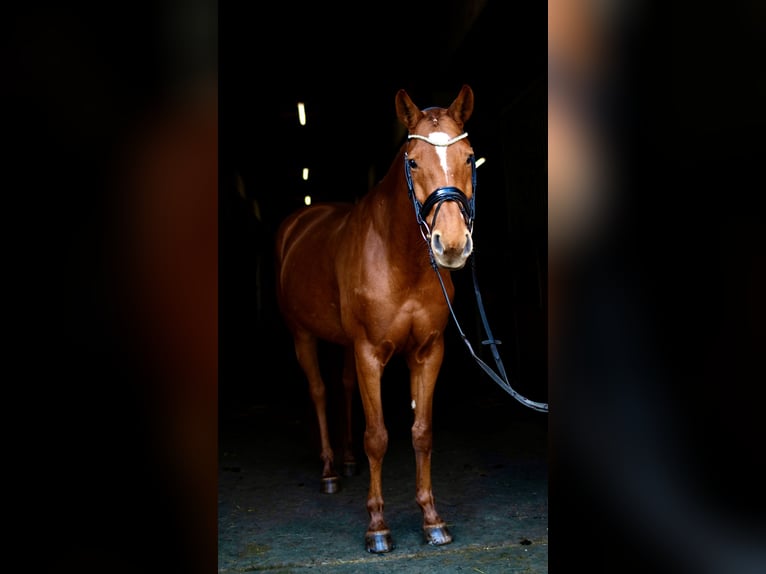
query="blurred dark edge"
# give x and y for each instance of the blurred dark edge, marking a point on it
(657, 393)
(109, 283)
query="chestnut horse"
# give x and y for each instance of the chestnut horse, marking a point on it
(364, 276)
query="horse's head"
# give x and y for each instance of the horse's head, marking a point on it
(441, 175)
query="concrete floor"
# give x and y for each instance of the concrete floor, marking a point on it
(490, 480)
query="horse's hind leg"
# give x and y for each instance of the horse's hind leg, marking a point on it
(306, 353)
(349, 385)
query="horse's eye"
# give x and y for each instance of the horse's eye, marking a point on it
(468, 161)
(413, 163)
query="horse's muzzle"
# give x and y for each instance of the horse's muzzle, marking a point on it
(451, 255)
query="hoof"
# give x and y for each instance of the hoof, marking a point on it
(349, 468)
(330, 484)
(379, 542)
(437, 534)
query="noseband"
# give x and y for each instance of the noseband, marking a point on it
(441, 194)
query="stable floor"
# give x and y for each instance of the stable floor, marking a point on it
(490, 482)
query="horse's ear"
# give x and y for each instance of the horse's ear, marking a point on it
(407, 112)
(462, 108)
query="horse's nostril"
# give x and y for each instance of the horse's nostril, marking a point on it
(436, 243)
(468, 245)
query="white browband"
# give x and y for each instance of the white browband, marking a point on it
(436, 142)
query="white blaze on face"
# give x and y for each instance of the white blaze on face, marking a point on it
(441, 151)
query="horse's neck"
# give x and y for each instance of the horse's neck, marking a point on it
(395, 220)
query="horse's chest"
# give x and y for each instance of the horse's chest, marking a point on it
(395, 315)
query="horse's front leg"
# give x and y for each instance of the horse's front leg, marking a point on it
(424, 369)
(369, 365)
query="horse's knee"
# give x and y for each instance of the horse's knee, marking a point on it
(375, 441)
(317, 391)
(422, 437)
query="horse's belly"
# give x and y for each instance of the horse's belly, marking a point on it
(310, 306)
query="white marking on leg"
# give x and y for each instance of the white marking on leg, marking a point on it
(412, 404)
